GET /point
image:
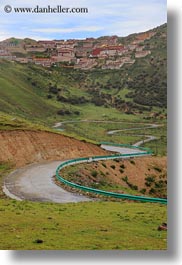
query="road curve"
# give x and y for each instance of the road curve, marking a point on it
(35, 183)
(148, 138)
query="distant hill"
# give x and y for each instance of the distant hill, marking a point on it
(148, 83)
(36, 92)
(20, 41)
(144, 83)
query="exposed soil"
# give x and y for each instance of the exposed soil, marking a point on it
(144, 175)
(25, 147)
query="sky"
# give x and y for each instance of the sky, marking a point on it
(104, 17)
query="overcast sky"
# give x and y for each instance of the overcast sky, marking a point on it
(105, 17)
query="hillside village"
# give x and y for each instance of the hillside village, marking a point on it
(105, 52)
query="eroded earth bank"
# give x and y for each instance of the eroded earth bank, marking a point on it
(26, 147)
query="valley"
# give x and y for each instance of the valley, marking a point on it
(65, 110)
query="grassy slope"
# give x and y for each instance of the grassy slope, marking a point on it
(146, 79)
(88, 225)
(98, 133)
(14, 122)
(18, 96)
(93, 225)
(24, 88)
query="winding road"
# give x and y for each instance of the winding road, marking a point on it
(35, 182)
(60, 126)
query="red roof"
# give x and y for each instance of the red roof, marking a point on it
(98, 50)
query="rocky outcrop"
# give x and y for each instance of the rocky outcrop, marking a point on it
(25, 147)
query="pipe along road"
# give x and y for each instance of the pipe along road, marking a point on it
(35, 182)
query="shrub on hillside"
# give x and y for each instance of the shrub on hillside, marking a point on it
(94, 173)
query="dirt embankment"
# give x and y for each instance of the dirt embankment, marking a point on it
(142, 175)
(24, 147)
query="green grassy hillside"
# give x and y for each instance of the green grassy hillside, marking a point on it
(38, 226)
(135, 87)
(36, 92)
(17, 96)
(135, 93)
(85, 226)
